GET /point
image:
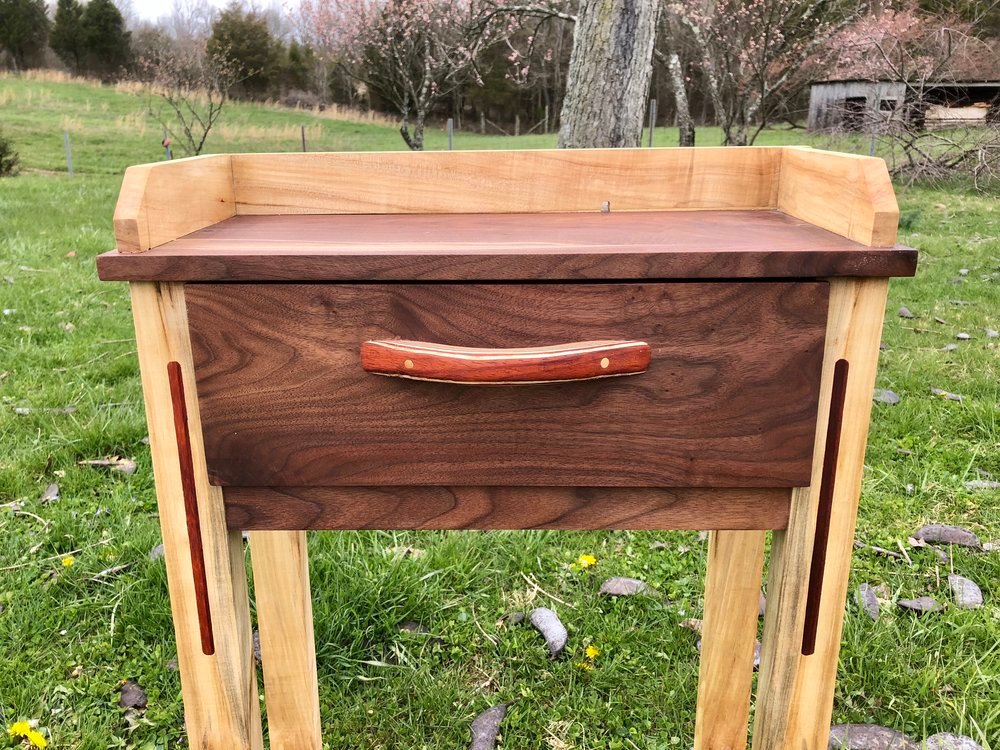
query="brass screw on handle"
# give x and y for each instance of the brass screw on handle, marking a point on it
(408, 364)
(604, 363)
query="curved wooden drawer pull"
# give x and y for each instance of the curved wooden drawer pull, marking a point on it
(584, 360)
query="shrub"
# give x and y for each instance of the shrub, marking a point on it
(10, 162)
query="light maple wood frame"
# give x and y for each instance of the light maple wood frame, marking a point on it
(851, 196)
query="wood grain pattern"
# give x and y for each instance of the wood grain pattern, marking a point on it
(850, 195)
(729, 636)
(560, 363)
(286, 508)
(287, 644)
(729, 399)
(795, 692)
(636, 245)
(505, 181)
(222, 711)
(163, 201)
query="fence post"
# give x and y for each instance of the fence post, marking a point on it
(482, 123)
(546, 118)
(69, 152)
(652, 120)
(451, 133)
(303, 127)
(517, 124)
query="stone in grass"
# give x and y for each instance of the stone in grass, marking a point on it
(50, 495)
(157, 552)
(868, 737)
(946, 395)
(982, 484)
(885, 396)
(937, 533)
(512, 618)
(965, 592)
(949, 741)
(550, 626)
(486, 727)
(991, 334)
(904, 312)
(867, 600)
(133, 700)
(921, 605)
(133, 695)
(623, 587)
(949, 347)
(962, 336)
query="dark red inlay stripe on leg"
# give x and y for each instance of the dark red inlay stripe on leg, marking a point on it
(191, 507)
(828, 481)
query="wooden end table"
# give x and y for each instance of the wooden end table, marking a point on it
(688, 340)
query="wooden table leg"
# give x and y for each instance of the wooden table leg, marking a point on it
(810, 560)
(287, 643)
(729, 634)
(206, 573)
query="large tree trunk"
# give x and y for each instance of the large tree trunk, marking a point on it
(609, 73)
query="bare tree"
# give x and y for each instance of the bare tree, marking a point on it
(670, 57)
(186, 90)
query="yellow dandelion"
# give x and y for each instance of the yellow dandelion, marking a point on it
(586, 666)
(585, 561)
(22, 730)
(593, 652)
(67, 562)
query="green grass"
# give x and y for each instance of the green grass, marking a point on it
(67, 342)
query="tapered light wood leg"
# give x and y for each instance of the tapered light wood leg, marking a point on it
(795, 691)
(210, 611)
(287, 644)
(729, 633)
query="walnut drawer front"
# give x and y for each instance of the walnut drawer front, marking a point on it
(729, 398)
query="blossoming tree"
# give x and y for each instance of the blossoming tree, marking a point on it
(412, 53)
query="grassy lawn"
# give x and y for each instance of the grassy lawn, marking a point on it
(69, 391)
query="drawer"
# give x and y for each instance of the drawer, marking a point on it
(729, 398)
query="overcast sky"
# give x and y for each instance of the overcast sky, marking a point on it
(150, 10)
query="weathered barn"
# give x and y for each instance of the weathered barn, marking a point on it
(860, 104)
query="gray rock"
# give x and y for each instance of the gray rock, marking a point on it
(486, 727)
(921, 605)
(965, 592)
(868, 601)
(946, 395)
(132, 695)
(938, 533)
(868, 737)
(949, 741)
(885, 396)
(623, 587)
(550, 626)
(982, 484)
(963, 336)
(904, 312)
